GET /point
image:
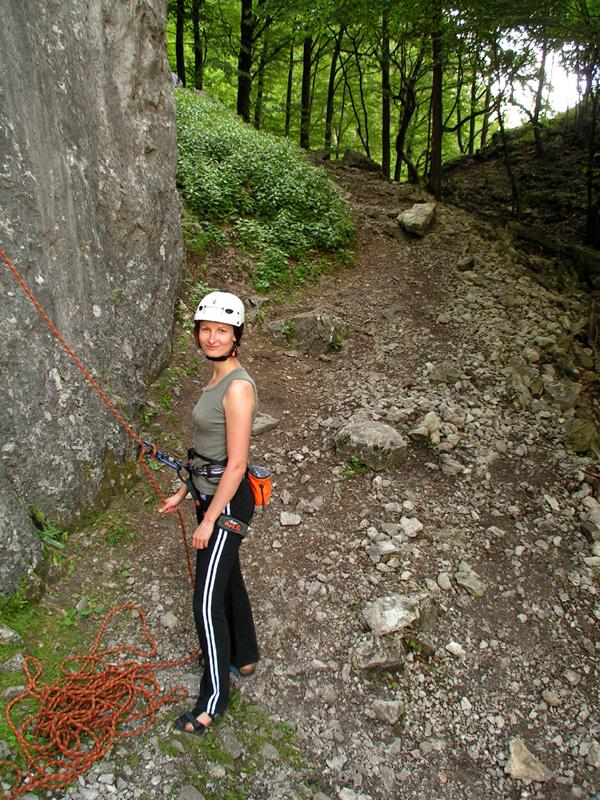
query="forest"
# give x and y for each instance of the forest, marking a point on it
(411, 85)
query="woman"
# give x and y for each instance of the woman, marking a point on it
(222, 420)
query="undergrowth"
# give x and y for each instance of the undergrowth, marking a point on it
(261, 191)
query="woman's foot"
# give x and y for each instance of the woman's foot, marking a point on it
(188, 723)
(243, 672)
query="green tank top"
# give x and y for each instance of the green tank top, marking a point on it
(208, 416)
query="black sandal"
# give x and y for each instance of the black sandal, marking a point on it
(199, 728)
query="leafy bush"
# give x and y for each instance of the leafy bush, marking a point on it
(283, 209)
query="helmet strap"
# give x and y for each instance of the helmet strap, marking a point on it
(233, 354)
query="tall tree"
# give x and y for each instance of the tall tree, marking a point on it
(247, 28)
(306, 92)
(435, 162)
(198, 49)
(385, 95)
(179, 47)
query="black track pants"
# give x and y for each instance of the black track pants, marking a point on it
(222, 609)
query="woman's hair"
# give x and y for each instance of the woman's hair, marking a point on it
(238, 332)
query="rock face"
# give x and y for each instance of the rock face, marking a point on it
(90, 218)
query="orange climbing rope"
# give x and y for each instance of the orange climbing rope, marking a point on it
(83, 712)
(100, 700)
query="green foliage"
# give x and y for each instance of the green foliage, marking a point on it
(289, 330)
(52, 538)
(279, 206)
(356, 468)
(113, 526)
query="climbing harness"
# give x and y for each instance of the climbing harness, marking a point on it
(101, 698)
(209, 468)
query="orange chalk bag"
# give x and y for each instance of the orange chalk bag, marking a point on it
(260, 483)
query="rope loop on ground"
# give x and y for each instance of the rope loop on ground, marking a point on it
(78, 718)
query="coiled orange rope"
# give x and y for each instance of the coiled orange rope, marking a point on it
(80, 715)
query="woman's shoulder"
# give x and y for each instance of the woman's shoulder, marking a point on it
(240, 374)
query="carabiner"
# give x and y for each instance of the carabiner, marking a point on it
(152, 451)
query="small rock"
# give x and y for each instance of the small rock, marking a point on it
(471, 583)
(456, 649)
(445, 372)
(8, 636)
(411, 526)
(169, 620)
(551, 698)
(230, 744)
(523, 766)
(593, 756)
(289, 518)
(270, 752)
(391, 613)
(388, 710)
(263, 424)
(444, 582)
(189, 792)
(450, 466)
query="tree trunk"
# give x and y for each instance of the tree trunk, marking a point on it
(459, 123)
(261, 85)
(472, 108)
(306, 82)
(514, 186)
(592, 228)
(331, 91)
(288, 97)
(385, 98)
(486, 118)
(198, 54)
(535, 120)
(435, 162)
(409, 106)
(247, 26)
(179, 55)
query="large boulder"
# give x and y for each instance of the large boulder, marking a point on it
(90, 218)
(313, 331)
(418, 219)
(352, 158)
(375, 444)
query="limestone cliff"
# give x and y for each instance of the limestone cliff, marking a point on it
(89, 214)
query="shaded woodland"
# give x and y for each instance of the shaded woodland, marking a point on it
(411, 85)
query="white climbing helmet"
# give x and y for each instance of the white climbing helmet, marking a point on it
(221, 307)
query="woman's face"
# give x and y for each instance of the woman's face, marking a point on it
(216, 338)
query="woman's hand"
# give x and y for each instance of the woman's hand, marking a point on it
(171, 503)
(202, 534)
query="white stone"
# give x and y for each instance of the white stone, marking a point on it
(287, 518)
(411, 526)
(456, 649)
(524, 766)
(391, 613)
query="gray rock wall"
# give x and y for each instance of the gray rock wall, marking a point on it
(89, 215)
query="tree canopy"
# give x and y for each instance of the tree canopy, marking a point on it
(410, 84)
